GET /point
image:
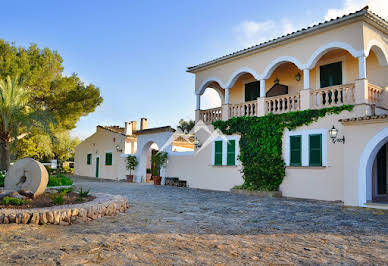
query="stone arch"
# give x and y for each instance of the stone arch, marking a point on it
(205, 84)
(237, 74)
(366, 163)
(328, 47)
(269, 69)
(144, 141)
(378, 49)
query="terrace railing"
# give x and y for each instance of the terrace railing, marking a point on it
(244, 109)
(282, 104)
(332, 96)
(210, 115)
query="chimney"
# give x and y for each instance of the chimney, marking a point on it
(143, 123)
(133, 126)
(128, 128)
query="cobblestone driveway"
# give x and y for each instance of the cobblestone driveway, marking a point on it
(167, 225)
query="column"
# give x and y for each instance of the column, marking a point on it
(227, 96)
(362, 67)
(198, 102)
(306, 78)
(262, 88)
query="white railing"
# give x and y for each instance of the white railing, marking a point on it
(332, 96)
(210, 115)
(282, 104)
(244, 109)
(375, 95)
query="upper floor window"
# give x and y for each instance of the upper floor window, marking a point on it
(331, 74)
(252, 91)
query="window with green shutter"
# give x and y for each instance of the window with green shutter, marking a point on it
(296, 150)
(89, 158)
(108, 158)
(315, 154)
(252, 91)
(231, 153)
(218, 152)
(331, 74)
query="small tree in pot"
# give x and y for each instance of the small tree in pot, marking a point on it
(131, 165)
(159, 160)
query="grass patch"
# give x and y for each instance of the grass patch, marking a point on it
(59, 180)
(13, 201)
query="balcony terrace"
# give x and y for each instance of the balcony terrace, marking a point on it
(335, 78)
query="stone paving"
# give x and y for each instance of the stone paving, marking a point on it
(168, 225)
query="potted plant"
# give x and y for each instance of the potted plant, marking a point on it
(131, 165)
(159, 161)
(148, 175)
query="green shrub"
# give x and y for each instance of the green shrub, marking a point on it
(58, 198)
(261, 143)
(59, 180)
(84, 193)
(13, 201)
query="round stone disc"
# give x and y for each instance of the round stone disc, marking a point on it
(28, 175)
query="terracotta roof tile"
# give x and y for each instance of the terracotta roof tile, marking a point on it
(364, 11)
(364, 118)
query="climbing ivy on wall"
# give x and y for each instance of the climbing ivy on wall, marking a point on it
(261, 143)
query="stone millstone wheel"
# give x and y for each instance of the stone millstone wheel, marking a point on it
(28, 175)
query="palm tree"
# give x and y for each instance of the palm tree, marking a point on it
(16, 115)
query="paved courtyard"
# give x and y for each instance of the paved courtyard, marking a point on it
(167, 225)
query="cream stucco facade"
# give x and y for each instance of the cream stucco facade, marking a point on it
(360, 42)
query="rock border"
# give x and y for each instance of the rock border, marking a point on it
(266, 194)
(102, 205)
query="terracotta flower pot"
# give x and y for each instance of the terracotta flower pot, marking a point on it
(157, 180)
(148, 178)
(130, 178)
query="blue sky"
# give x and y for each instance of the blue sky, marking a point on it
(137, 52)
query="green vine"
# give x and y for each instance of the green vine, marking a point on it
(261, 143)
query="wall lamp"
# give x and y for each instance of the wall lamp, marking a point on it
(197, 143)
(298, 77)
(118, 148)
(333, 132)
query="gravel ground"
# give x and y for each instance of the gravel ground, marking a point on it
(167, 225)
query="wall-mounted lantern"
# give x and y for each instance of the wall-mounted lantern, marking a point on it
(118, 148)
(197, 143)
(298, 77)
(333, 132)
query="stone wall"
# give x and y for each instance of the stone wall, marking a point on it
(102, 205)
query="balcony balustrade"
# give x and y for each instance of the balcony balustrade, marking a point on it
(333, 96)
(282, 104)
(319, 98)
(244, 109)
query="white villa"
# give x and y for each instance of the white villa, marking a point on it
(336, 62)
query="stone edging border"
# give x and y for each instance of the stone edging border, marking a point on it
(267, 194)
(102, 205)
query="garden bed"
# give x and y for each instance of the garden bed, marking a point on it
(46, 200)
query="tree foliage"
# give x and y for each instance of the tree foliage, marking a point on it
(186, 126)
(62, 98)
(261, 143)
(67, 98)
(17, 115)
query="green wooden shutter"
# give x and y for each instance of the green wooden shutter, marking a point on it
(296, 150)
(315, 144)
(218, 152)
(108, 158)
(331, 74)
(252, 91)
(231, 153)
(89, 159)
